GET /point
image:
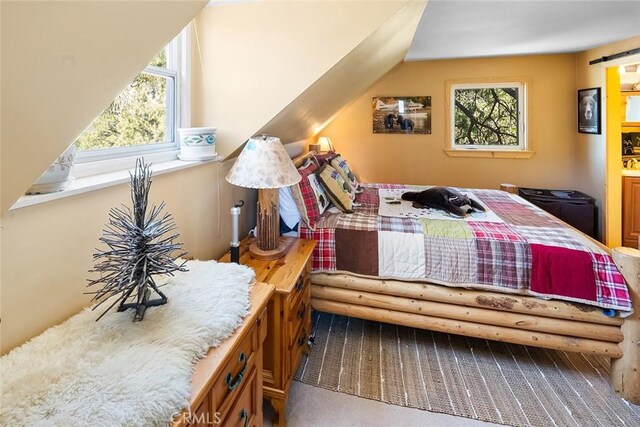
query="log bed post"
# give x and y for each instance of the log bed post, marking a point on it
(625, 371)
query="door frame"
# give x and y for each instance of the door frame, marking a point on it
(611, 129)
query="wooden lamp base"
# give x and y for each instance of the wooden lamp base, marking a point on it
(269, 244)
(282, 247)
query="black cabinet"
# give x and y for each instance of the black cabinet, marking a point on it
(573, 207)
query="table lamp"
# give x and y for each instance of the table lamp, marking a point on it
(322, 145)
(265, 165)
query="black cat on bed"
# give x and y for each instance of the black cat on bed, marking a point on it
(443, 198)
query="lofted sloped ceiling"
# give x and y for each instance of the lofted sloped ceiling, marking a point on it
(314, 109)
(62, 64)
(286, 68)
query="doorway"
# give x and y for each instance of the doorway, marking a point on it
(622, 87)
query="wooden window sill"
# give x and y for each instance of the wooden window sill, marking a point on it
(100, 181)
(497, 154)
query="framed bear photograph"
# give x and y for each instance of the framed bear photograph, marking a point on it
(589, 111)
(402, 114)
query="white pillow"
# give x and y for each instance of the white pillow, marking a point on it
(288, 209)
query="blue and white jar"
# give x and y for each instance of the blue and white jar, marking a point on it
(197, 143)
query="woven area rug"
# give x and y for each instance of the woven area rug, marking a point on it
(485, 380)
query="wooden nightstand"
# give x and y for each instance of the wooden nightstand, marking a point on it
(289, 317)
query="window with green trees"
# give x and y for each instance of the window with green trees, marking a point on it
(488, 116)
(144, 117)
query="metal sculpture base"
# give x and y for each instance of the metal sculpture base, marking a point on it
(141, 307)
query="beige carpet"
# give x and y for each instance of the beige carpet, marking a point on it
(468, 377)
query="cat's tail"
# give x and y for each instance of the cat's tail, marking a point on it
(412, 196)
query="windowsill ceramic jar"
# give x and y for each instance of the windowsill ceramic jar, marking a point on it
(197, 143)
(58, 176)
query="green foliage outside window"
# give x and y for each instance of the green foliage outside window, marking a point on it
(160, 60)
(487, 116)
(136, 117)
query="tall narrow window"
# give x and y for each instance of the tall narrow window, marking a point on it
(488, 116)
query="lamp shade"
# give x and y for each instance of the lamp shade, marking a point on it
(325, 143)
(263, 163)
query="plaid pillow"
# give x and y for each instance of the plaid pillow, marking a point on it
(326, 158)
(340, 164)
(309, 195)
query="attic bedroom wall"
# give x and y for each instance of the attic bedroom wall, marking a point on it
(55, 79)
(254, 60)
(47, 248)
(63, 63)
(420, 159)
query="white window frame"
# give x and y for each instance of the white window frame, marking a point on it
(99, 161)
(523, 144)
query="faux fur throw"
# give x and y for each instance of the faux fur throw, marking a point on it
(119, 373)
(444, 198)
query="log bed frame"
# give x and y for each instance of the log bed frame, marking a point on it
(496, 316)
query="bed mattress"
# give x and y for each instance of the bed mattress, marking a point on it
(514, 247)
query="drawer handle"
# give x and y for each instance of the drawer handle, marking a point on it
(301, 339)
(233, 383)
(302, 310)
(244, 414)
(300, 284)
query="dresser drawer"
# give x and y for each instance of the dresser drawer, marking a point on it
(302, 278)
(202, 416)
(234, 375)
(244, 411)
(299, 344)
(297, 291)
(297, 316)
(302, 283)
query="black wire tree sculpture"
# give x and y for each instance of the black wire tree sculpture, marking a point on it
(141, 245)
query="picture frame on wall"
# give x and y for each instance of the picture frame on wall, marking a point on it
(589, 111)
(630, 144)
(401, 114)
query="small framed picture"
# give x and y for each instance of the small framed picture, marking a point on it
(589, 111)
(630, 144)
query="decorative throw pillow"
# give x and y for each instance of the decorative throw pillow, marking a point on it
(325, 158)
(338, 190)
(288, 209)
(340, 164)
(309, 195)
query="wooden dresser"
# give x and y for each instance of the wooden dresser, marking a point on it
(630, 211)
(226, 387)
(289, 318)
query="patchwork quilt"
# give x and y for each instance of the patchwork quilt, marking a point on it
(522, 249)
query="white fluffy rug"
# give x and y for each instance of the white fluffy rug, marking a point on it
(115, 372)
